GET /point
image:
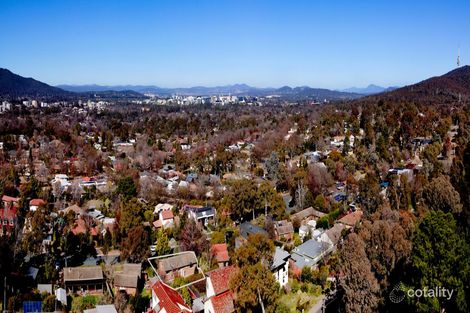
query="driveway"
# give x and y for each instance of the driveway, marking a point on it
(317, 306)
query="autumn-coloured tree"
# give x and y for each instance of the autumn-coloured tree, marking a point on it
(386, 244)
(318, 179)
(359, 283)
(439, 194)
(135, 247)
(36, 230)
(369, 193)
(192, 238)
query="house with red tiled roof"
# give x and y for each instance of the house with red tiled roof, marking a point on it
(219, 252)
(8, 219)
(219, 296)
(167, 300)
(167, 218)
(351, 219)
(8, 214)
(81, 228)
(34, 204)
(10, 201)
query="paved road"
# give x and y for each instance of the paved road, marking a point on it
(317, 307)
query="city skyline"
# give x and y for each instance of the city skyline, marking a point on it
(262, 44)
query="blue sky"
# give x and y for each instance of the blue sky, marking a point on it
(330, 44)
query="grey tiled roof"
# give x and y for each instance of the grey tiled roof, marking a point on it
(280, 257)
(247, 229)
(309, 253)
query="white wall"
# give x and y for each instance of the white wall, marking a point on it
(282, 275)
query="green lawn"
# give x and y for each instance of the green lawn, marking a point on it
(80, 303)
(295, 302)
(302, 296)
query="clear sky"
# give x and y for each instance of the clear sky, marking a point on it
(331, 44)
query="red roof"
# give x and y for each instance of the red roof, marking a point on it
(81, 228)
(37, 202)
(6, 198)
(8, 213)
(170, 300)
(220, 279)
(220, 252)
(157, 224)
(167, 214)
(223, 303)
(351, 219)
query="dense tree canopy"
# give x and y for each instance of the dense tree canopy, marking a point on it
(135, 247)
(253, 283)
(246, 197)
(126, 187)
(440, 257)
(439, 194)
(359, 283)
(192, 238)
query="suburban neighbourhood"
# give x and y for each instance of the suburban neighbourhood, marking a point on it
(222, 156)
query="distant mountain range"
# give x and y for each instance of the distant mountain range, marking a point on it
(369, 90)
(237, 89)
(198, 90)
(448, 87)
(13, 86)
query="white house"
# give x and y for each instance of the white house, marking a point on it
(162, 207)
(304, 230)
(166, 218)
(280, 266)
(200, 214)
(62, 179)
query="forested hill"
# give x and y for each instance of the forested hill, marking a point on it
(16, 86)
(448, 88)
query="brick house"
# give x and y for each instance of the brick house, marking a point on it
(8, 214)
(179, 265)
